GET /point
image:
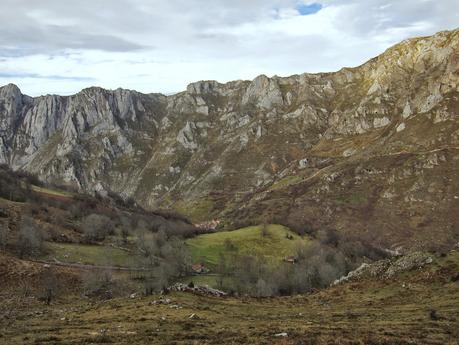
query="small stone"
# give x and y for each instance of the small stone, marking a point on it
(401, 127)
(283, 334)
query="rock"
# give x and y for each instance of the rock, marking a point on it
(407, 111)
(283, 335)
(161, 301)
(408, 262)
(198, 289)
(186, 136)
(381, 122)
(303, 163)
(264, 91)
(401, 127)
(202, 87)
(387, 268)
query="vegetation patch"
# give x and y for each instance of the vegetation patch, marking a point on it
(197, 211)
(271, 241)
(52, 192)
(89, 254)
(287, 181)
(354, 199)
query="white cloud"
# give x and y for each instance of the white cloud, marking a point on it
(54, 46)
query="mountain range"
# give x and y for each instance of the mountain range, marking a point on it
(370, 152)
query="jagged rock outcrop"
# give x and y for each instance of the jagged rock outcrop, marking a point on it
(388, 268)
(370, 151)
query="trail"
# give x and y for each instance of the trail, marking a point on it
(88, 266)
(337, 165)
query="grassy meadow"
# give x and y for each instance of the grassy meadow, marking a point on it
(275, 244)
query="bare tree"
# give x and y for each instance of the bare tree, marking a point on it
(264, 289)
(96, 227)
(176, 254)
(30, 239)
(125, 228)
(317, 266)
(148, 247)
(265, 231)
(164, 259)
(3, 235)
(98, 283)
(49, 285)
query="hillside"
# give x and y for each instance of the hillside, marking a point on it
(371, 151)
(54, 225)
(276, 243)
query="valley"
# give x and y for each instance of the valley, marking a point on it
(310, 209)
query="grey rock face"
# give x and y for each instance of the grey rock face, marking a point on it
(264, 92)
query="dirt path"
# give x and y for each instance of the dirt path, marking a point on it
(87, 266)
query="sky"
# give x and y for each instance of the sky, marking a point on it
(61, 47)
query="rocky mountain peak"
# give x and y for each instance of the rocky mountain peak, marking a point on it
(203, 87)
(9, 89)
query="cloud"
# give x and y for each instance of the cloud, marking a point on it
(39, 76)
(163, 45)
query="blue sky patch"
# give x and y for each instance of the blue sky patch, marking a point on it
(308, 9)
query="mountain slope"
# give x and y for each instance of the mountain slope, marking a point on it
(370, 151)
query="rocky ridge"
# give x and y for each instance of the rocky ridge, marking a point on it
(387, 268)
(370, 151)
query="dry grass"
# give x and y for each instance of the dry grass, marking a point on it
(365, 312)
